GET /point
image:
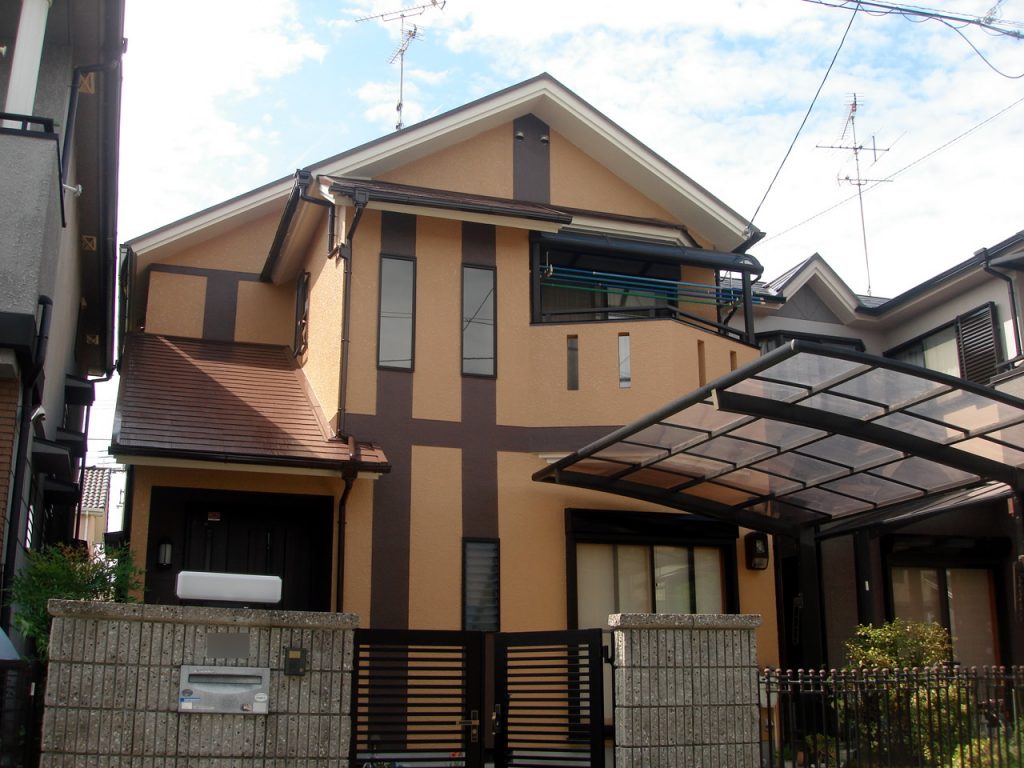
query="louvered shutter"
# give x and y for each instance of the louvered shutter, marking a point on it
(978, 344)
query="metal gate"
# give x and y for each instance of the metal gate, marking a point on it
(418, 699)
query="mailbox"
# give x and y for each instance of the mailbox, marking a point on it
(230, 690)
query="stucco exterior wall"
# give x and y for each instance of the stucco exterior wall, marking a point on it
(481, 166)
(176, 304)
(265, 314)
(577, 181)
(322, 362)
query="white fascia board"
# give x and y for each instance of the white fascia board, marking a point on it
(596, 225)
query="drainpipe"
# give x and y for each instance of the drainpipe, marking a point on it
(69, 124)
(28, 54)
(348, 474)
(28, 385)
(360, 200)
(304, 178)
(1013, 299)
(81, 469)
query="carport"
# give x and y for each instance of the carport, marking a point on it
(811, 442)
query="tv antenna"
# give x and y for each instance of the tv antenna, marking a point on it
(404, 41)
(857, 181)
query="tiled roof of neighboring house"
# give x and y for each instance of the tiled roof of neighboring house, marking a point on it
(228, 402)
(96, 488)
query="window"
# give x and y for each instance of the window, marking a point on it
(968, 347)
(625, 368)
(397, 302)
(478, 321)
(572, 362)
(644, 578)
(301, 340)
(960, 599)
(480, 585)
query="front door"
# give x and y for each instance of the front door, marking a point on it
(418, 697)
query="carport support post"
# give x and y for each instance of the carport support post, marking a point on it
(810, 591)
(862, 573)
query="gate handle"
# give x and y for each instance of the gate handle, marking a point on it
(474, 723)
(496, 722)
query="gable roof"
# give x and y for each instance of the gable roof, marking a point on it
(224, 402)
(564, 111)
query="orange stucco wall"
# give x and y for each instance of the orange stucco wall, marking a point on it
(481, 165)
(577, 181)
(362, 376)
(322, 361)
(176, 304)
(265, 314)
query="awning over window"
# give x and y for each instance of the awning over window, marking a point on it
(811, 435)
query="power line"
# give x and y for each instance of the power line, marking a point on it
(892, 175)
(806, 116)
(916, 12)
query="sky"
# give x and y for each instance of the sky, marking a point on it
(222, 96)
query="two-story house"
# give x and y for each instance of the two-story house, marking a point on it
(958, 568)
(349, 377)
(60, 86)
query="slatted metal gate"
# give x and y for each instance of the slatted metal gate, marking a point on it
(418, 699)
(549, 699)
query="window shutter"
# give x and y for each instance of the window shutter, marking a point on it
(480, 583)
(978, 346)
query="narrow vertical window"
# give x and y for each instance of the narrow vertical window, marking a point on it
(397, 299)
(480, 585)
(478, 326)
(625, 374)
(572, 362)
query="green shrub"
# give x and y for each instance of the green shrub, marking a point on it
(71, 574)
(984, 752)
(898, 644)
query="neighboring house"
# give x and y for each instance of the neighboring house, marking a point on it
(348, 377)
(60, 85)
(92, 520)
(960, 567)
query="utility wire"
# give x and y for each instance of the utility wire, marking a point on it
(919, 13)
(981, 55)
(894, 174)
(804, 121)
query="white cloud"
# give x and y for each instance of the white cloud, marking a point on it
(181, 143)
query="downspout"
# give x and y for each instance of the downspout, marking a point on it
(360, 201)
(69, 124)
(348, 475)
(304, 179)
(1013, 299)
(85, 456)
(21, 460)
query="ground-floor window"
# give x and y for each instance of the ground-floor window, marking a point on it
(645, 578)
(961, 599)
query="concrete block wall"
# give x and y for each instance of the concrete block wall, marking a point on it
(686, 691)
(112, 688)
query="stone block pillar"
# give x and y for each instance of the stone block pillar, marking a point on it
(113, 684)
(686, 691)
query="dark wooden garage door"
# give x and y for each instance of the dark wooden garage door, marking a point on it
(235, 532)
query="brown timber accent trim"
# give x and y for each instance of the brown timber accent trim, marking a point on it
(479, 413)
(531, 160)
(221, 305)
(389, 568)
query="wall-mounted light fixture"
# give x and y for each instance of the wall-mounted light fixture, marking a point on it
(164, 553)
(520, 136)
(756, 545)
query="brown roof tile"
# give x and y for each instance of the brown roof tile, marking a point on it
(223, 401)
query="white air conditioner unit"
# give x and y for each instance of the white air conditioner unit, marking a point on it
(228, 587)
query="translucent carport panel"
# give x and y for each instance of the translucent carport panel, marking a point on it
(811, 370)
(968, 411)
(892, 389)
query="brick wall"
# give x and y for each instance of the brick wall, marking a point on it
(113, 681)
(9, 395)
(686, 691)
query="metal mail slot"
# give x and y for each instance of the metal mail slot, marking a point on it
(233, 690)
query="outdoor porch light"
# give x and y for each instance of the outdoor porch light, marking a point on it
(164, 553)
(756, 545)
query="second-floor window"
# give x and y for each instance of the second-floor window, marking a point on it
(968, 347)
(397, 304)
(478, 321)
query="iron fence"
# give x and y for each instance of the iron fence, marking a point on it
(941, 717)
(19, 714)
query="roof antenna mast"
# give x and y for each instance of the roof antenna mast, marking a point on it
(858, 181)
(405, 40)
